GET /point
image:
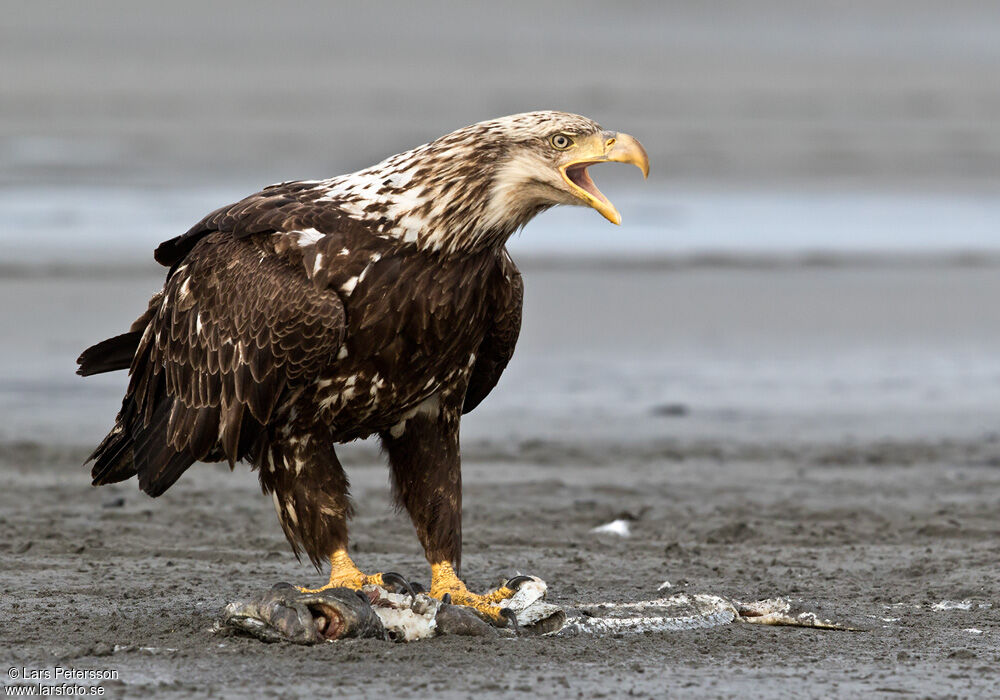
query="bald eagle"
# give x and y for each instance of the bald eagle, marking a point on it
(317, 312)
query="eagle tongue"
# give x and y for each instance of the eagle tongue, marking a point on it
(579, 176)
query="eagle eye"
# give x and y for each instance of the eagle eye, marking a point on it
(561, 141)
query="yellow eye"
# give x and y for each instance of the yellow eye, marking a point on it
(561, 142)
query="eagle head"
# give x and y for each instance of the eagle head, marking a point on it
(544, 162)
(478, 185)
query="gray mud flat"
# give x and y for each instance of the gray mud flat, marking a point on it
(827, 435)
(875, 539)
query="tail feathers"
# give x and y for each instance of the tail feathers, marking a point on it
(144, 452)
(157, 463)
(109, 355)
(169, 467)
(113, 461)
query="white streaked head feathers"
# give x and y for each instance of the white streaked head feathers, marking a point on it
(466, 190)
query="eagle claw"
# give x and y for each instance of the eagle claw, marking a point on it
(514, 583)
(511, 618)
(392, 578)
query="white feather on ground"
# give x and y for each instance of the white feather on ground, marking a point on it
(619, 527)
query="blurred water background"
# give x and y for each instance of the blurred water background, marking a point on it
(813, 256)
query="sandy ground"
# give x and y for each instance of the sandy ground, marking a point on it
(874, 538)
(823, 434)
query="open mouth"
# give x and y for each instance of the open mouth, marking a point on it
(576, 175)
(329, 622)
(602, 148)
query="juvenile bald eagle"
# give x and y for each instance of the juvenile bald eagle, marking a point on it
(382, 302)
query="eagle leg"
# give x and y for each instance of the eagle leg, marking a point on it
(425, 463)
(311, 498)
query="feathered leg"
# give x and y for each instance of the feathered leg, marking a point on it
(312, 500)
(427, 480)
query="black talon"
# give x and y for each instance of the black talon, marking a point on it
(418, 587)
(514, 584)
(446, 598)
(511, 618)
(391, 577)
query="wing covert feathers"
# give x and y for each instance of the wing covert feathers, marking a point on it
(235, 329)
(289, 206)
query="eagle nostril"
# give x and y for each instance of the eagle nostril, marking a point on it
(609, 143)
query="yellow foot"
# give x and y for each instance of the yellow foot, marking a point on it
(446, 586)
(344, 574)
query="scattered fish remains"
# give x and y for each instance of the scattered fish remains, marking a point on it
(286, 614)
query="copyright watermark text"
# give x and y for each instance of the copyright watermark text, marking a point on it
(57, 681)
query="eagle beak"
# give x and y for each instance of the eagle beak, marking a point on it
(601, 148)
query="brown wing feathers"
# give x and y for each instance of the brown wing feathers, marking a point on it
(236, 325)
(282, 207)
(498, 346)
(244, 318)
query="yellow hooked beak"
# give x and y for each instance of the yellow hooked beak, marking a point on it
(601, 148)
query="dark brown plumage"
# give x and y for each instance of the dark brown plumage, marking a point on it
(311, 313)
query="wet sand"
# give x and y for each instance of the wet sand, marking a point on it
(828, 435)
(874, 536)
